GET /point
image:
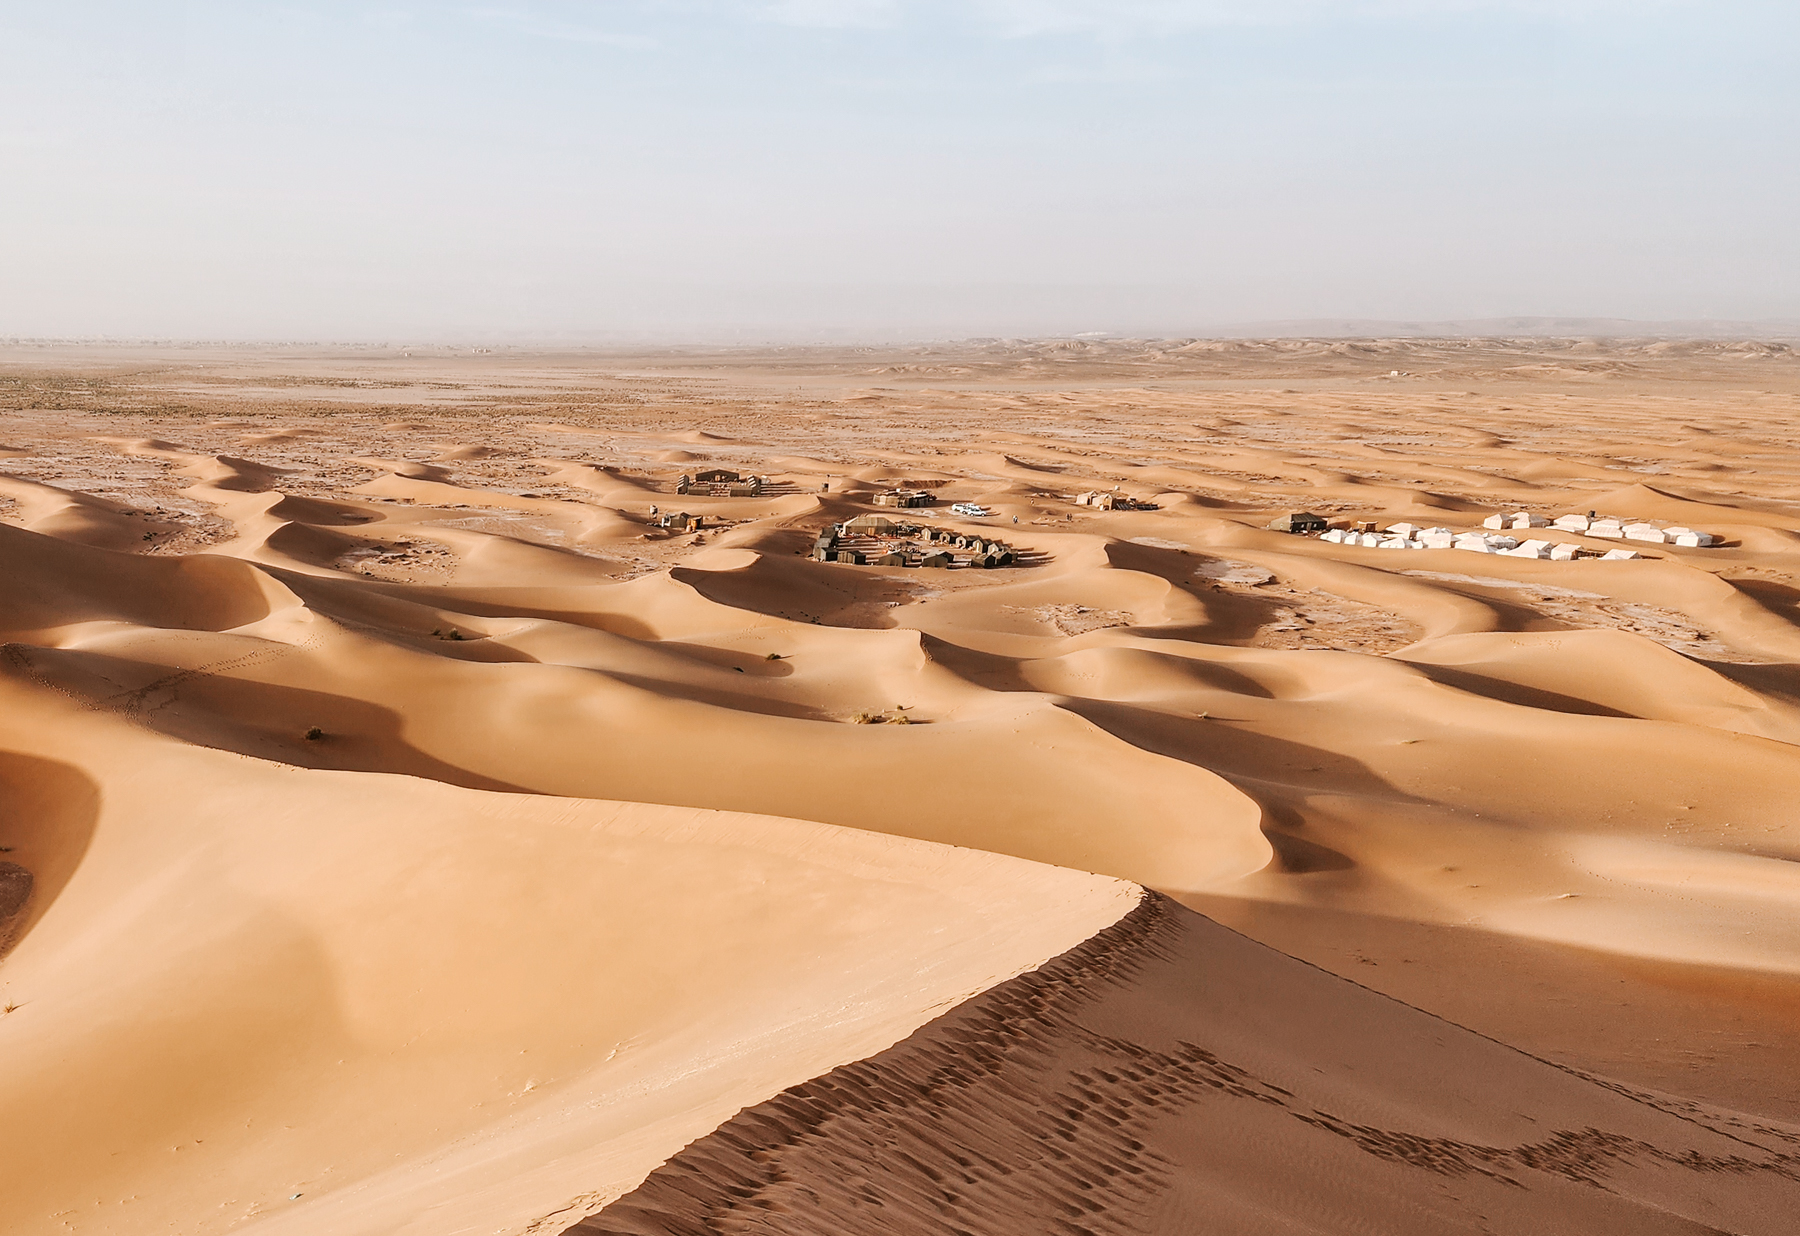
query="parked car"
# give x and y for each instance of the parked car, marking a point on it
(972, 509)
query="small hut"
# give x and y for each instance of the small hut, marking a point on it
(1297, 521)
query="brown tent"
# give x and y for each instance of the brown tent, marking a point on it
(1298, 521)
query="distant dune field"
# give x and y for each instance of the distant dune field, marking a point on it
(405, 827)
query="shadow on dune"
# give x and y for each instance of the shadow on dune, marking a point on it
(256, 719)
(1214, 674)
(1780, 681)
(1169, 1076)
(340, 597)
(1245, 757)
(233, 473)
(802, 590)
(1231, 618)
(1718, 1026)
(728, 659)
(1514, 693)
(720, 699)
(1782, 600)
(1270, 770)
(48, 810)
(997, 672)
(1294, 854)
(320, 513)
(988, 670)
(1175, 565)
(53, 583)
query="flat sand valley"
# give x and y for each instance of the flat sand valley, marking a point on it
(405, 831)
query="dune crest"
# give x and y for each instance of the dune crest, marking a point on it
(1161, 1078)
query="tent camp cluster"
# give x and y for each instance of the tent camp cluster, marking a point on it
(1608, 528)
(1495, 539)
(876, 540)
(1411, 536)
(720, 483)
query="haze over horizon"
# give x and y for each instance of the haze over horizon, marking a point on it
(882, 169)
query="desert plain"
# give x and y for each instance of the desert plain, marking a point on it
(406, 832)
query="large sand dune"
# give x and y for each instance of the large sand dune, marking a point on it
(1169, 1077)
(399, 817)
(243, 985)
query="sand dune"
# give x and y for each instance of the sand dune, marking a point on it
(1168, 1076)
(78, 517)
(586, 713)
(400, 816)
(380, 992)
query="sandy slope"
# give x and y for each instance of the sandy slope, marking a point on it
(368, 598)
(1171, 1077)
(428, 1009)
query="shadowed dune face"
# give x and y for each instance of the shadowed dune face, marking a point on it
(1163, 1078)
(1405, 766)
(47, 814)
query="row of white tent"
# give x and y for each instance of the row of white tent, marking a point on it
(1608, 528)
(1411, 536)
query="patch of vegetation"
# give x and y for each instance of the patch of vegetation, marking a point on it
(899, 716)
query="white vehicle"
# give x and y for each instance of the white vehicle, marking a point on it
(972, 509)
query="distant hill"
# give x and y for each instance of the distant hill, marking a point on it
(1535, 328)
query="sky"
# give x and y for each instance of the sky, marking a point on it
(793, 170)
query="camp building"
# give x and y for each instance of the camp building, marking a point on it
(1298, 521)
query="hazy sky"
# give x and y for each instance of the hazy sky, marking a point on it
(889, 168)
